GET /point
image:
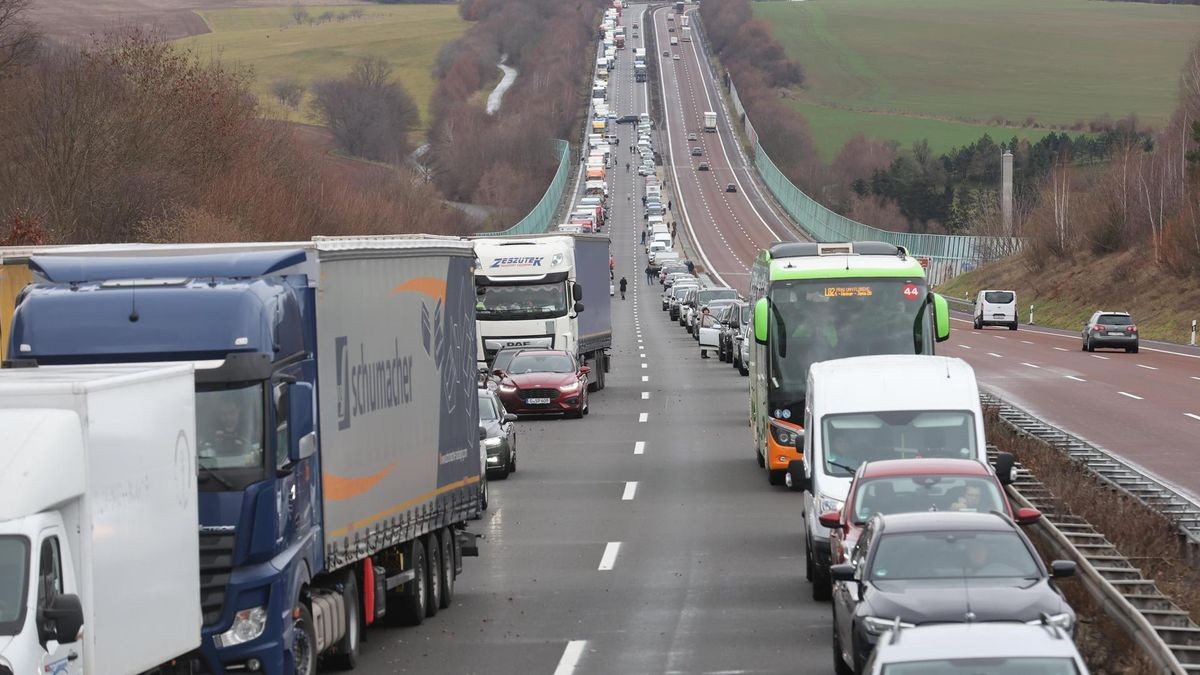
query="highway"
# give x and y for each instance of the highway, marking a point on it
(641, 538)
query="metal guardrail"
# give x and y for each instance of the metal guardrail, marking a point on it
(1164, 631)
(541, 217)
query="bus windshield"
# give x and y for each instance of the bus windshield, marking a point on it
(815, 320)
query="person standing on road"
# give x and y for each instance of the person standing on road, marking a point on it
(668, 204)
(643, 237)
(649, 271)
(703, 315)
(627, 166)
(624, 285)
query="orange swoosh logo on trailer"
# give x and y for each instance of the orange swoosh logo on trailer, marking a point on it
(430, 286)
(339, 488)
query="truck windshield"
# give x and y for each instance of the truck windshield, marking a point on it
(229, 429)
(815, 320)
(14, 581)
(534, 301)
(854, 438)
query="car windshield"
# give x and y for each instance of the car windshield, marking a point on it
(853, 438)
(14, 578)
(230, 436)
(747, 314)
(952, 555)
(998, 297)
(1115, 320)
(819, 320)
(541, 363)
(1015, 665)
(909, 494)
(487, 407)
(505, 357)
(533, 301)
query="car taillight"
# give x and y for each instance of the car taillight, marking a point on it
(1098, 327)
(1132, 329)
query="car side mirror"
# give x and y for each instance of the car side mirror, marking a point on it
(584, 370)
(1026, 515)
(61, 620)
(842, 572)
(499, 372)
(509, 417)
(1061, 569)
(831, 520)
(302, 438)
(795, 478)
(1005, 466)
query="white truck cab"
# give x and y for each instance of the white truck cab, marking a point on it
(871, 408)
(996, 308)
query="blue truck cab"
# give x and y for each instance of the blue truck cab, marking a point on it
(246, 320)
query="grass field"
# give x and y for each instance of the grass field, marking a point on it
(266, 40)
(945, 68)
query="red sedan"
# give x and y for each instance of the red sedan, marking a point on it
(909, 485)
(545, 382)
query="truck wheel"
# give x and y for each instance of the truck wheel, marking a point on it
(345, 656)
(411, 605)
(433, 548)
(447, 568)
(483, 494)
(776, 476)
(304, 642)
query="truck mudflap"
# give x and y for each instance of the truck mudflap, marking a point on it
(468, 544)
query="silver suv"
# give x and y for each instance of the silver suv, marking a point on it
(1110, 329)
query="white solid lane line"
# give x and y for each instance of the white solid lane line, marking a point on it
(630, 491)
(1077, 379)
(1195, 417)
(1133, 396)
(1030, 365)
(995, 355)
(570, 657)
(1140, 365)
(639, 448)
(610, 556)
(643, 417)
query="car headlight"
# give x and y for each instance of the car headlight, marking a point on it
(785, 436)
(248, 624)
(1064, 621)
(508, 389)
(568, 388)
(876, 625)
(825, 504)
(492, 442)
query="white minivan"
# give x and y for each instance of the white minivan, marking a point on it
(996, 308)
(871, 408)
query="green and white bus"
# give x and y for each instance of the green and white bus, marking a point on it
(815, 302)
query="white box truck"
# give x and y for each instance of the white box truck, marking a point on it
(98, 508)
(545, 291)
(710, 121)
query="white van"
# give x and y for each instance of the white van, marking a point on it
(996, 308)
(871, 408)
(674, 40)
(659, 228)
(664, 238)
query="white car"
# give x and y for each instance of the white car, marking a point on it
(993, 647)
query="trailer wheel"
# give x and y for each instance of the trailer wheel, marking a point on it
(411, 607)
(434, 569)
(304, 642)
(447, 568)
(345, 657)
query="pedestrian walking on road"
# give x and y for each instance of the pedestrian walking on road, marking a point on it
(703, 315)
(643, 237)
(649, 274)
(668, 204)
(624, 284)
(626, 166)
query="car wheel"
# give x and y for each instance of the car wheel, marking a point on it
(822, 584)
(839, 663)
(1091, 347)
(512, 462)
(1083, 345)
(977, 324)
(761, 462)
(808, 560)
(1012, 326)
(501, 473)
(1133, 349)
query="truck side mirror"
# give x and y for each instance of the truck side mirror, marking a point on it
(578, 307)
(760, 321)
(941, 317)
(576, 292)
(61, 620)
(302, 437)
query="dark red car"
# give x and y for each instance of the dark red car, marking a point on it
(545, 382)
(910, 485)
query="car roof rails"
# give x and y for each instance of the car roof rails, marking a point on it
(796, 249)
(896, 628)
(1045, 621)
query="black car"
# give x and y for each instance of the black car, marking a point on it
(501, 440)
(1110, 329)
(703, 166)
(732, 187)
(940, 567)
(627, 119)
(696, 152)
(666, 53)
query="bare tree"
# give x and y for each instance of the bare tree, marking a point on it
(18, 36)
(369, 114)
(1061, 192)
(289, 92)
(300, 14)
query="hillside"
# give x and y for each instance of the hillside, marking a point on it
(950, 70)
(1066, 294)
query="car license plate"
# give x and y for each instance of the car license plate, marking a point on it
(1116, 332)
(997, 316)
(537, 401)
